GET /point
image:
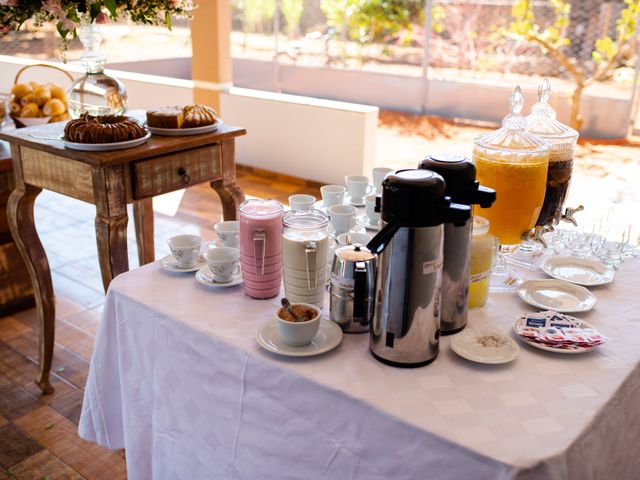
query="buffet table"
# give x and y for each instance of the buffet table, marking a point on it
(178, 380)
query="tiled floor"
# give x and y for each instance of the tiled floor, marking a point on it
(38, 438)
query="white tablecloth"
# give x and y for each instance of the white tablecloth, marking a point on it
(178, 379)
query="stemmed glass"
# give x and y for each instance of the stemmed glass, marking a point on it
(514, 163)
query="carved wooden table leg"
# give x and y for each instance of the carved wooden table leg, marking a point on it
(143, 219)
(230, 193)
(20, 216)
(111, 221)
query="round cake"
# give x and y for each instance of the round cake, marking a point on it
(103, 129)
(198, 116)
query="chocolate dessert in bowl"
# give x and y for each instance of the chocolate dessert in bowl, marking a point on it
(298, 324)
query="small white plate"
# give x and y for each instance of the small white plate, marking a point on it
(364, 222)
(329, 337)
(581, 271)
(180, 132)
(169, 264)
(541, 346)
(105, 147)
(348, 201)
(556, 295)
(205, 277)
(485, 347)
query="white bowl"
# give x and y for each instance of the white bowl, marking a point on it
(298, 334)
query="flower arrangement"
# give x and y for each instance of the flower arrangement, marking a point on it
(68, 15)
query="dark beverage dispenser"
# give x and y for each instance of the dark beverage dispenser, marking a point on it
(405, 329)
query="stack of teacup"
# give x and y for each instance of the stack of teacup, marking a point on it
(223, 256)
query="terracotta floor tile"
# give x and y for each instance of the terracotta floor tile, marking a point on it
(16, 402)
(44, 465)
(60, 437)
(22, 371)
(86, 321)
(69, 406)
(16, 445)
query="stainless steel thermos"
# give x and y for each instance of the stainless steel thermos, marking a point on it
(459, 174)
(405, 329)
(352, 288)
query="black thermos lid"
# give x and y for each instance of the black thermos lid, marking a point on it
(416, 198)
(459, 173)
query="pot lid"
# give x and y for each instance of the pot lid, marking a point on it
(355, 253)
(542, 121)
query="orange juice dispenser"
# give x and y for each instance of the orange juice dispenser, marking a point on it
(514, 163)
(562, 139)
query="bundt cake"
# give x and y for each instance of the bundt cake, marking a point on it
(198, 116)
(169, 117)
(103, 129)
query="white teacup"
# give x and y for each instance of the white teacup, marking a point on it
(379, 174)
(343, 217)
(301, 201)
(228, 232)
(352, 238)
(299, 333)
(223, 263)
(357, 186)
(185, 249)
(370, 205)
(332, 195)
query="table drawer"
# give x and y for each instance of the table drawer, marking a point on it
(173, 172)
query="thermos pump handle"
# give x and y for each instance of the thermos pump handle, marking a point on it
(378, 243)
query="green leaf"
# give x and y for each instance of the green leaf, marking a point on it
(112, 6)
(63, 33)
(167, 19)
(94, 10)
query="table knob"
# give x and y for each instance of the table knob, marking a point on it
(185, 176)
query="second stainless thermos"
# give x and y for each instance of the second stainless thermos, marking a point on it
(459, 174)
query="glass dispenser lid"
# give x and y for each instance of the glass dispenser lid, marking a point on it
(513, 135)
(542, 120)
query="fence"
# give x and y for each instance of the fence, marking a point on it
(436, 39)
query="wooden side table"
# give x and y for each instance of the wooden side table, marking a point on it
(109, 180)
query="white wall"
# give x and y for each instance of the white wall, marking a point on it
(319, 140)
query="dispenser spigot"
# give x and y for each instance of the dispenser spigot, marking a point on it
(568, 215)
(535, 235)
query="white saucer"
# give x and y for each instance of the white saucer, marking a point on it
(548, 348)
(581, 271)
(348, 201)
(217, 244)
(363, 221)
(329, 337)
(169, 264)
(467, 345)
(104, 147)
(205, 277)
(179, 132)
(556, 295)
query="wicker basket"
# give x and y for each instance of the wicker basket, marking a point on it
(27, 122)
